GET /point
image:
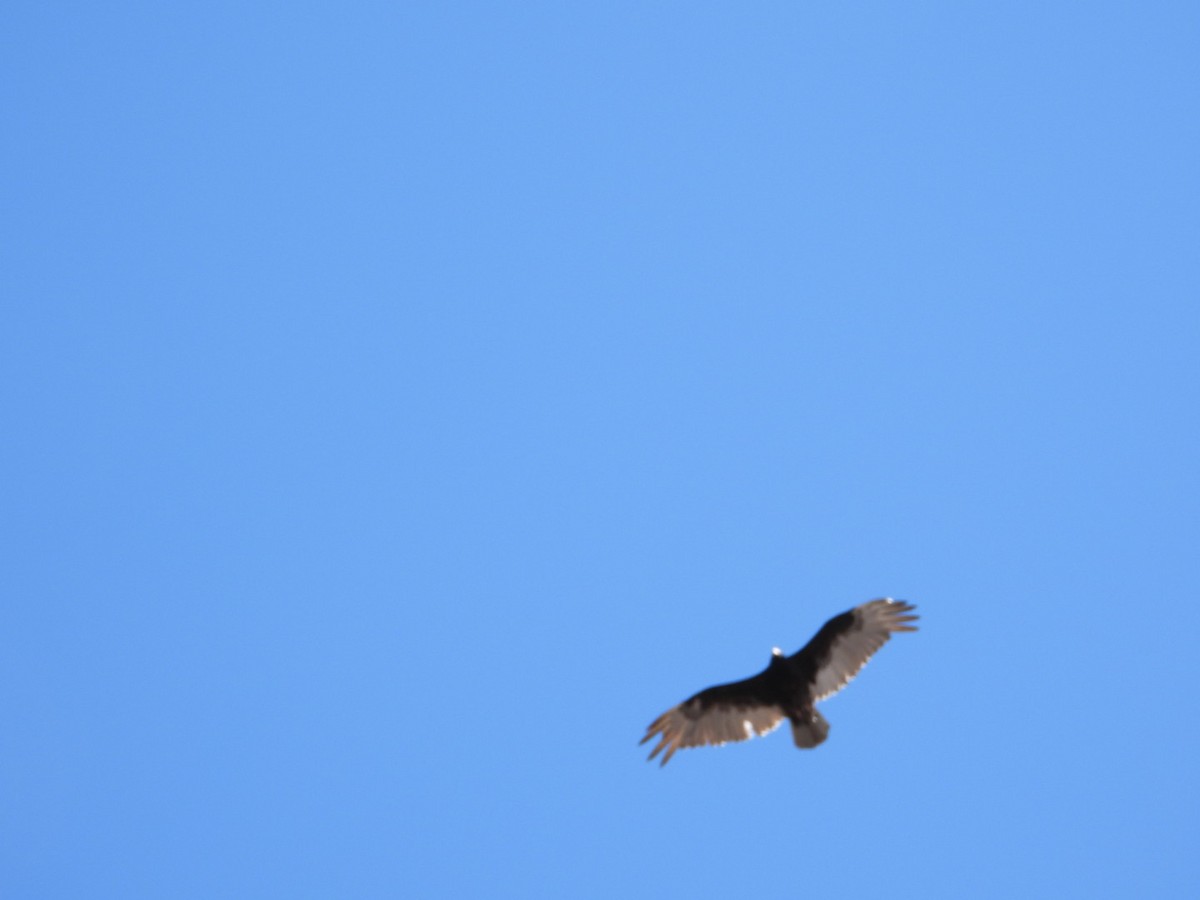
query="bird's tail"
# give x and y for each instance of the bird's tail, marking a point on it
(809, 729)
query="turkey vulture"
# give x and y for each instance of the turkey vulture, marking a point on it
(790, 686)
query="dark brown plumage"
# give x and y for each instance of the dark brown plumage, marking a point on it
(789, 687)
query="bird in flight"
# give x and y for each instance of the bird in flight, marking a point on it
(789, 687)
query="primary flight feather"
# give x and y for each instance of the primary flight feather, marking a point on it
(788, 688)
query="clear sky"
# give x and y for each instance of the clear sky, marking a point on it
(404, 403)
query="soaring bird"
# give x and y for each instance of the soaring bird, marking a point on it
(789, 687)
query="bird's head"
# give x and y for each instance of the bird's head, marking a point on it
(776, 652)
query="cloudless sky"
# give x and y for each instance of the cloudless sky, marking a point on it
(404, 403)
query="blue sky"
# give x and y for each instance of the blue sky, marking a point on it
(406, 403)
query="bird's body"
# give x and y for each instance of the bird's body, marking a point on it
(789, 687)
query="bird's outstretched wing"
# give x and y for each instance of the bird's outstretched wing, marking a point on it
(718, 715)
(846, 642)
